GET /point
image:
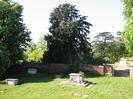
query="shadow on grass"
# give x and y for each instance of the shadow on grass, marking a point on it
(93, 75)
(48, 77)
(40, 77)
(37, 78)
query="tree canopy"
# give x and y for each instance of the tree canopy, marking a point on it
(106, 48)
(128, 30)
(34, 52)
(68, 36)
(100, 45)
(14, 35)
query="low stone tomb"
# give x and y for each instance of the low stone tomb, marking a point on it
(76, 79)
(32, 71)
(12, 81)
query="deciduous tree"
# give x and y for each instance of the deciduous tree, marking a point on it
(34, 52)
(13, 33)
(108, 49)
(100, 44)
(128, 29)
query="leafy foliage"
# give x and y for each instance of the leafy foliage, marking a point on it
(5, 62)
(100, 45)
(35, 52)
(108, 49)
(128, 30)
(68, 37)
(13, 34)
(35, 56)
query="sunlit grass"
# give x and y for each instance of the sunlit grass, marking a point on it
(47, 86)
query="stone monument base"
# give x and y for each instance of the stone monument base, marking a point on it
(11, 81)
(85, 83)
(77, 79)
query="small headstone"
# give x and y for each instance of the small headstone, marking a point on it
(32, 71)
(12, 81)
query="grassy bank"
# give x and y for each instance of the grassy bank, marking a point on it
(47, 86)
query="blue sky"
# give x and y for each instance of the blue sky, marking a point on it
(104, 15)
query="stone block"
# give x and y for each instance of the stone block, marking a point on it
(12, 81)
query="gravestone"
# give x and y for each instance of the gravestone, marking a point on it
(76, 77)
(32, 71)
(12, 81)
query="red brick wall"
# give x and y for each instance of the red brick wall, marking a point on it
(52, 68)
(98, 69)
(108, 70)
(61, 68)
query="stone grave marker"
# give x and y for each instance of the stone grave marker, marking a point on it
(32, 71)
(12, 81)
(77, 79)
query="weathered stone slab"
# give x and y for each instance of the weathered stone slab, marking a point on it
(76, 77)
(12, 81)
(32, 71)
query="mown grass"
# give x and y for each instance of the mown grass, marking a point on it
(47, 86)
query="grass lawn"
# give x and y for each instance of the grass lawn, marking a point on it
(47, 86)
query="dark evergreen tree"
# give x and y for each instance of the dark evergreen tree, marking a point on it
(68, 36)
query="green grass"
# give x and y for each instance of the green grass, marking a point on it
(47, 86)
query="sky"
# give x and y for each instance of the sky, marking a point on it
(104, 15)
